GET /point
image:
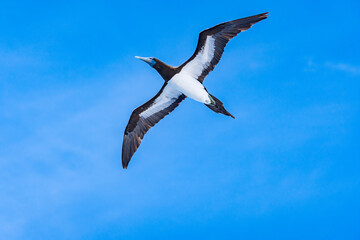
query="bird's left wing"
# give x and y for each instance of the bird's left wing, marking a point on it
(211, 45)
(146, 116)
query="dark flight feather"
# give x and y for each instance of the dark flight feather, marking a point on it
(222, 34)
(163, 103)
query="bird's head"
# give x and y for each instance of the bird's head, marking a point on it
(163, 69)
(149, 60)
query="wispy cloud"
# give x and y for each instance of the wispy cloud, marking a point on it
(348, 68)
(19, 58)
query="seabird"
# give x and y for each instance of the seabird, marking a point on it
(183, 81)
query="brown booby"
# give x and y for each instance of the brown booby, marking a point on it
(183, 81)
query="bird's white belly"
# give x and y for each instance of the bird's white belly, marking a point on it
(189, 86)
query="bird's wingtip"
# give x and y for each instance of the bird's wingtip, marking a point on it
(231, 115)
(124, 165)
(264, 15)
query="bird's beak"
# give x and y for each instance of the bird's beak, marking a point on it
(145, 59)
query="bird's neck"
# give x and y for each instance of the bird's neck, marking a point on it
(166, 71)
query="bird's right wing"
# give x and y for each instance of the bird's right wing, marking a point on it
(146, 116)
(211, 45)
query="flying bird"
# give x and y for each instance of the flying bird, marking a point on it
(183, 81)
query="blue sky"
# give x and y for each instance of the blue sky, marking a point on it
(286, 168)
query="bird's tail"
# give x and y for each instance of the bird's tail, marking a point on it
(217, 106)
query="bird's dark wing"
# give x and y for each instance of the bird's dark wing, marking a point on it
(146, 116)
(211, 45)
